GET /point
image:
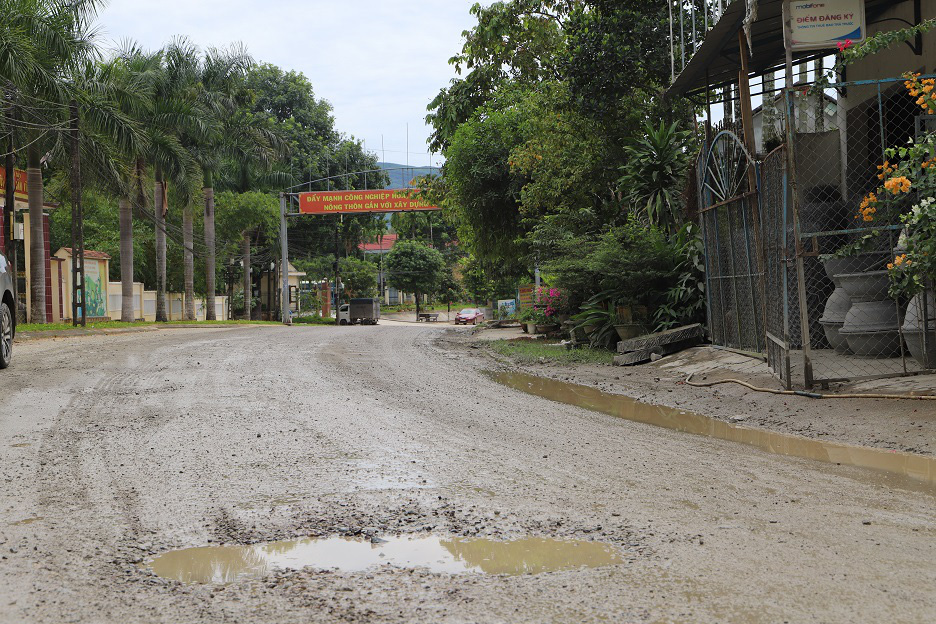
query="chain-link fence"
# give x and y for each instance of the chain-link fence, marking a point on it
(818, 304)
(848, 229)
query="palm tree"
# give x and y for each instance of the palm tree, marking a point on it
(173, 112)
(201, 127)
(41, 43)
(222, 74)
(132, 74)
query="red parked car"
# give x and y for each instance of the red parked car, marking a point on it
(469, 315)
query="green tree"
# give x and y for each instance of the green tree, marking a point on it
(415, 267)
(359, 277)
(654, 175)
(483, 193)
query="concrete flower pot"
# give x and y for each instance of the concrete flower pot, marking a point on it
(850, 264)
(872, 328)
(626, 331)
(833, 318)
(913, 328)
(868, 286)
(546, 328)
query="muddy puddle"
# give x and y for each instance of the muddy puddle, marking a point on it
(27, 521)
(895, 469)
(225, 564)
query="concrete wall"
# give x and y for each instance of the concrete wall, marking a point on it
(144, 304)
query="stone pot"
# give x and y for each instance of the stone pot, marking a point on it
(546, 328)
(872, 328)
(626, 331)
(850, 264)
(913, 330)
(868, 286)
(833, 317)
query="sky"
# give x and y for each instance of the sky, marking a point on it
(379, 63)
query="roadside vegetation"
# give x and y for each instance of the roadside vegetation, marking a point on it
(528, 351)
(175, 156)
(561, 154)
(40, 327)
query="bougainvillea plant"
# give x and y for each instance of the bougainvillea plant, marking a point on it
(551, 301)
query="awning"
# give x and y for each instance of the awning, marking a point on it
(718, 60)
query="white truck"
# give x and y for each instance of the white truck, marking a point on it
(365, 311)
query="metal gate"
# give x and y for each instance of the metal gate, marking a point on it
(729, 217)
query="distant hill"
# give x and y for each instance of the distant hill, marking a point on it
(402, 176)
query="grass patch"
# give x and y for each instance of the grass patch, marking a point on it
(38, 327)
(532, 351)
(313, 320)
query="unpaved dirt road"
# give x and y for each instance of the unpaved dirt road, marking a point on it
(117, 448)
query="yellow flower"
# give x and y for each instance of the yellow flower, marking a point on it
(900, 184)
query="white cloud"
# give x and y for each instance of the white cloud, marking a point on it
(378, 63)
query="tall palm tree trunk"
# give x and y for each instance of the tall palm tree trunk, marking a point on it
(210, 269)
(126, 261)
(248, 287)
(159, 207)
(37, 265)
(188, 260)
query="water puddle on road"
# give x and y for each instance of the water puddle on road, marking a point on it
(226, 564)
(915, 472)
(27, 521)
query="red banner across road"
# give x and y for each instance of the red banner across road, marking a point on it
(343, 202)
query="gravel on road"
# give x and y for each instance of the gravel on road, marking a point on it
(116, 448)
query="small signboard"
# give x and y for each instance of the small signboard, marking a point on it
(506, 308)
(525, 297)
(826, 23)
(344, 202)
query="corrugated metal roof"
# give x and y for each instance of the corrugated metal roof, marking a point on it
(718, 59)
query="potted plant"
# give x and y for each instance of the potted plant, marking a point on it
(526, 320)
(541, 324)
(629, 320)
(597, 322)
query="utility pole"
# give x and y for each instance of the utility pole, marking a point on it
(9, 221)
(337, 269)
(284, 253)
(78, 259)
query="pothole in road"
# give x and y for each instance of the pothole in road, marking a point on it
(453, 555)
(915, 472)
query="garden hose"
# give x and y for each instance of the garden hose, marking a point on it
(810, 395)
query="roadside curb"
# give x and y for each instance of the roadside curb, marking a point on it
(82, 332)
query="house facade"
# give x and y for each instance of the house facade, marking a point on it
(773, 211)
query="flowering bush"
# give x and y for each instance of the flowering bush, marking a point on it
(923, 90)
(916, 264)
(551, 301)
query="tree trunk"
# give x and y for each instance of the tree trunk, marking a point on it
(188, 260)
(126, 261)
(8, 221)
(37, 265)
(159, 208)
(245, 250)
(417, 306)
(210, 268)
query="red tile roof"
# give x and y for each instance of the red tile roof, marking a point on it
(88, 253)
(388, 241)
